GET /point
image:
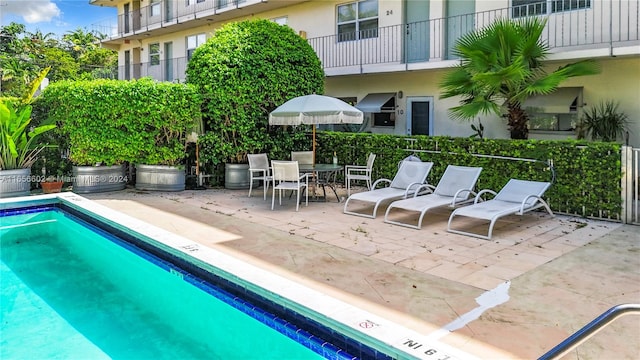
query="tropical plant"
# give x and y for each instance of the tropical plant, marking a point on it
(243, 73)
(604, 122)
(23, 55)
(501, 66)
(18, 149)
(478, 130)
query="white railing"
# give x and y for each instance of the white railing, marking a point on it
(604, 24)
(630, 185)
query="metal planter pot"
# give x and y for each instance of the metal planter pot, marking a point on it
(16, 182)
(93, 179)
(236, 176)
(160, 178)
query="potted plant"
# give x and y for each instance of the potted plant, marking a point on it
(101, 139)
(174, 112)
(603, 122)
(19, 149)
(243, 72)
(52, 184)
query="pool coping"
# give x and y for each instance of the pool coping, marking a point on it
(357, 323)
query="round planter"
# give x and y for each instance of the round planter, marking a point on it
(160, 177)
(93, 179)
(236, 176)
(16, 182)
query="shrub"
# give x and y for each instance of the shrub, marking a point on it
(243, 73)
(604, 122)
(110, 122)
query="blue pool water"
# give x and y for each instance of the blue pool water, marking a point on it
(73, 290)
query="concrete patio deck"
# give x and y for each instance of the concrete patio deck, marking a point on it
(549, 276)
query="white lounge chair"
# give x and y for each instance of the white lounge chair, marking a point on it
(286, 176)
(454, 188)
(410, 175)
(516, 198)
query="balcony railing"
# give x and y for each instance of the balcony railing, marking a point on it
(604, 25)
(173, 70)
(166, 13)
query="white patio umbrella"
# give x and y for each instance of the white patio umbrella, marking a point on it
(314, 110)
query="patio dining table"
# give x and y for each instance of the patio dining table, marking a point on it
(325, 175)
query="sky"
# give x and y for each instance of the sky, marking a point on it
(56, 16)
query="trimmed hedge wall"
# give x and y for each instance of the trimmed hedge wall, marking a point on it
(113, 121)
(587, 178)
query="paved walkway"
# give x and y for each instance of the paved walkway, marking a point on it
(536, 282)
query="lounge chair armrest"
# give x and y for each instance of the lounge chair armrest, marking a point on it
(524, 203)
(380, 181)
(410, 188)
(460, 194)
(428, 190)
(482, 192)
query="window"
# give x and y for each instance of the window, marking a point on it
(568, 5)
(522, 8)
(384, 119)
(193, 42)
(558, 111)
(154, 54)
(155, 8)
(280, 20)
(358, 20)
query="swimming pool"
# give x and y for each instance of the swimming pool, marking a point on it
(179, 259)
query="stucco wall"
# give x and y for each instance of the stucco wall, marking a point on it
(619, 81)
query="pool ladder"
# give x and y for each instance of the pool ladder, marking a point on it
(590, 329)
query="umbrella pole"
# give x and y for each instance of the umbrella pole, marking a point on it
(314, 144)
(198, 164)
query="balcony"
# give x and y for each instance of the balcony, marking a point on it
(606, 28)
(172, 70)
(170, 16)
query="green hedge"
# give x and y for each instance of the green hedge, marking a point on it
(112, 122)
(244, 71)
(587, 174)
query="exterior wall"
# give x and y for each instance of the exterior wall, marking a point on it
(618, 81)
(317, 19)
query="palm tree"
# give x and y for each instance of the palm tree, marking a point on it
(501, 66)
(79, 41)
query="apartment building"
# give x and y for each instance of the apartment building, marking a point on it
(388, 56)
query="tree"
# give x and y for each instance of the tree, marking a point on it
(63, 66)
(243, 73)
(79, 41)
(16, 60)
(23, 55)
(501, 66)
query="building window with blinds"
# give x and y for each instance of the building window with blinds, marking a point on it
(522, 8)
